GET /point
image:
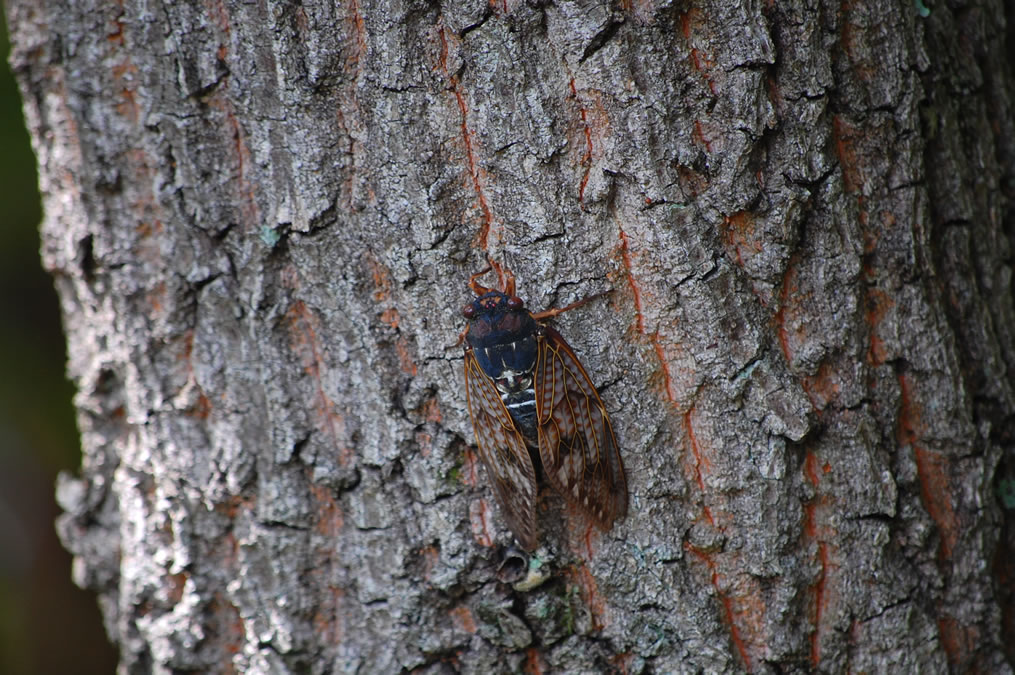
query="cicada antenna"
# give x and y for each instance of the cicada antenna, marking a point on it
(505, 278)
(475, 285)
(550, 313)
(507, 282)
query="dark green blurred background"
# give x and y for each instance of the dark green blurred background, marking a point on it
(47, 625)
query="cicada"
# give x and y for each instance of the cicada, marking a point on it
(536, 414)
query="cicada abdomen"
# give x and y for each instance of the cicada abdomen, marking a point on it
(527, 391)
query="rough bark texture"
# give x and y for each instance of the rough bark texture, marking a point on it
(261, 216)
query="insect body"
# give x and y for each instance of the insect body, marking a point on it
(533, 406)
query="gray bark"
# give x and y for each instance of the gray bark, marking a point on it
(260, 218)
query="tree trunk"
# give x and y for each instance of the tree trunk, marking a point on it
(261, 219)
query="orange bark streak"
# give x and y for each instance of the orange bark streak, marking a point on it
(700, 461)
(590, 594)
(479, 518)
(476, 173)
(878, 304)
(822, 388)
(933, 470)
(469, 472)
(812, 531)
(329, 515)
(739, 235)
(431, 410)
(625, 254)
(304, 340)
(699, 135)
(725, 601)
(787, 292)
(462, 617)
(958, 641)
(844, 135)
(533, 662)
(819, 604)
(587, 157)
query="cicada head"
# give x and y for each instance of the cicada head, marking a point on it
(502, 333)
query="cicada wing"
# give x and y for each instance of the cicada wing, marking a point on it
(504, 454)
(576, 441)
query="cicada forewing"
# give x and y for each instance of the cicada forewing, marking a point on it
(504, 454)
(577, 446)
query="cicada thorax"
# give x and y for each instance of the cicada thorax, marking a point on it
(504, 341)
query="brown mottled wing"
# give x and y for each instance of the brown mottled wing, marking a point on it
(576, 442)
(503, 452)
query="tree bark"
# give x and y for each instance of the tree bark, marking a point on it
(261, 217)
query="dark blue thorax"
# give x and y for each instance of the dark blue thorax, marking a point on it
(503, 339)
(504, 342)
(500, 358)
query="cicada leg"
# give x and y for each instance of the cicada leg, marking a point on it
(550, 313)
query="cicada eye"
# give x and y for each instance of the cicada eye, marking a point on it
(469, 311)
(514, 302)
